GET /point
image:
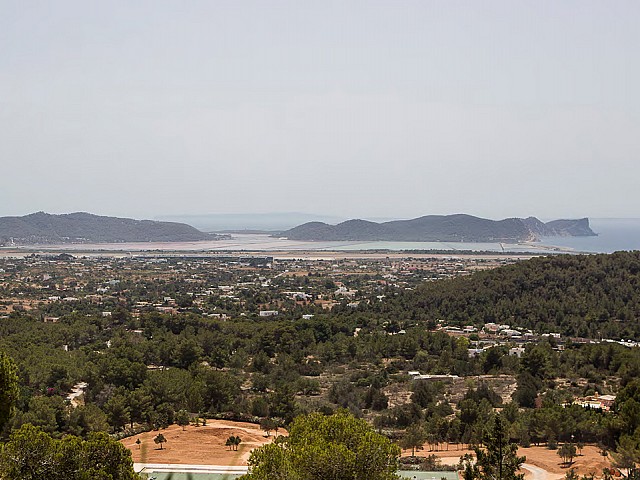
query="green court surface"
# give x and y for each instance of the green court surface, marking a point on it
(428, 475)
(190, 476)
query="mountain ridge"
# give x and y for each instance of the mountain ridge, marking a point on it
(82, 227)
(441, 228)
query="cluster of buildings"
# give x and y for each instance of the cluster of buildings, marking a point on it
(596, 402)
(215, 285)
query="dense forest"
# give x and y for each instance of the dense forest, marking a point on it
(277, 369)
(594, 296)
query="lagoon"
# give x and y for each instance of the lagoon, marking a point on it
(613, 235)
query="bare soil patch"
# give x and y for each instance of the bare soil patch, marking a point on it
(204, 445)
(589, 462)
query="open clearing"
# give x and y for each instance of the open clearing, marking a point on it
(204, 445)
(589, 462)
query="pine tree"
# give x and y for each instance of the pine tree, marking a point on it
(159, 440)
(8, 388)
(182, 418)
(627, 454)
(567, 452)
(499, 459)
(413, 438)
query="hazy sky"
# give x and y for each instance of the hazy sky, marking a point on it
(351, 108)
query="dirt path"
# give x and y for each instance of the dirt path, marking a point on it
(184, 468)
(541, 463)
(76, 392)
(537, 473)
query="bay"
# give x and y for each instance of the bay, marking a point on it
(613, 235)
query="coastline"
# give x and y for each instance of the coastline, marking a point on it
(264, 243)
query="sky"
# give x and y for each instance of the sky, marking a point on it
(349, 108)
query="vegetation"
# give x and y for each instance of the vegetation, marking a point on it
(182, 418)
(8, 388)
(567, 452)
(413, 439)
(440, 228)
(627, 454)
(159, 440)
(145, 368)
(31, 454)
(39, 228)
(233, 442)
(498, 460)
(268, 425)
(594, 296)
(337, 446)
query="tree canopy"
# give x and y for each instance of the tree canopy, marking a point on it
(499, 459)
(31, 454)
(8, 388)
(575, 295)
(339, 447)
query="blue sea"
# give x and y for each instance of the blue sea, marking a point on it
(614, 234)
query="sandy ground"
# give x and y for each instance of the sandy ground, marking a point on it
(202, 445)
(532, 472)
(541, 457)
(589, 462)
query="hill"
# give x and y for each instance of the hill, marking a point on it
(248, 222)
(441, 228)
(44, 228)
(576, 295)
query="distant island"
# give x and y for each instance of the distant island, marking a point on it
(441, 228)
(43, 228)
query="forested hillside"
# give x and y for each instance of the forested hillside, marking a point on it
(575, 295)
(441, 228)
(80, 227)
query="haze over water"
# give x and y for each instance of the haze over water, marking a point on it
(613, 235)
